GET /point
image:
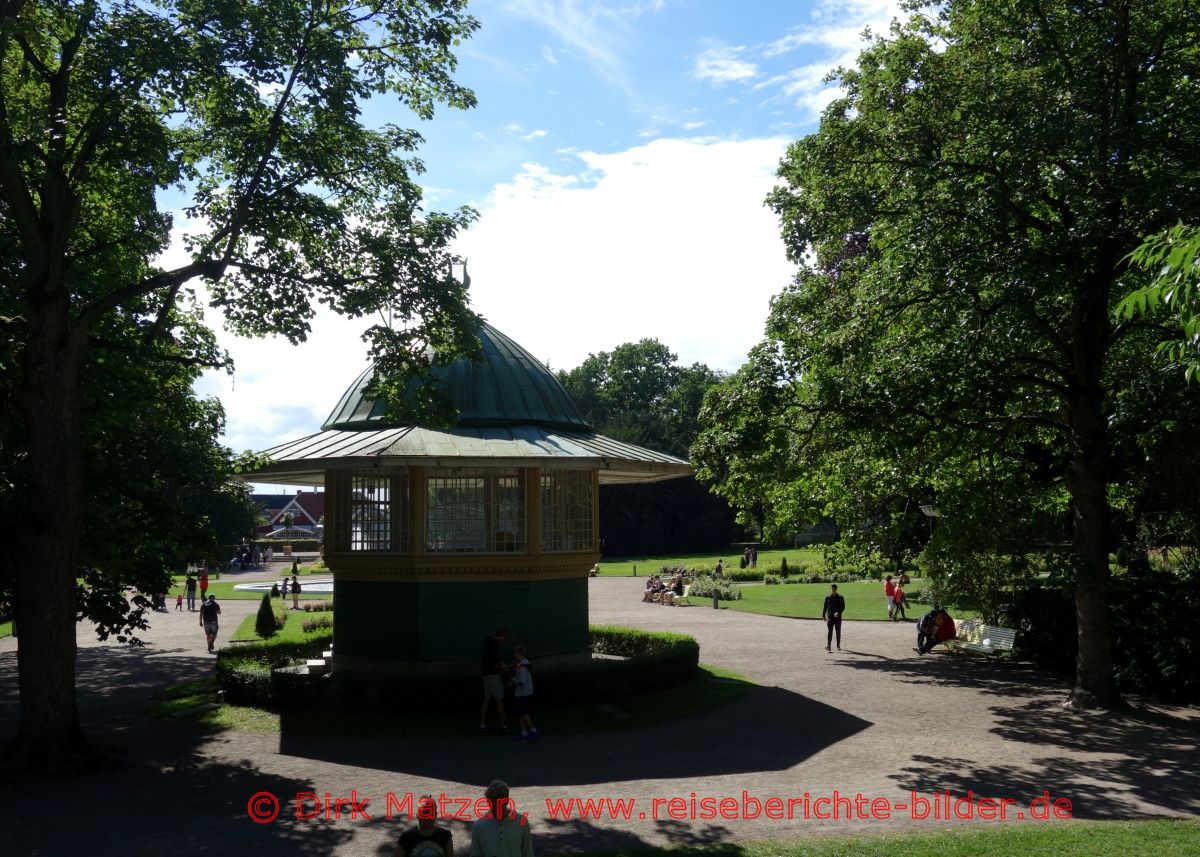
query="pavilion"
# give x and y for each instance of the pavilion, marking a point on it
(438, 537)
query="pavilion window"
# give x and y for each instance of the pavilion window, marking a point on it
(377, 507)
(474, 510)
(567, 511)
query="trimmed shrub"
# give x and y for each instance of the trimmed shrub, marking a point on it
(317, 606)
(744, 575)
(324, 620)
(244, 670)
(704, 587)
(293, 688)
(264, 623)
(783, 568)
(771, 579)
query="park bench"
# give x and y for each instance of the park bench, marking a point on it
(975, 636)
(682, 600)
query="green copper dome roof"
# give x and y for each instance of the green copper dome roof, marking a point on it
(507, 387)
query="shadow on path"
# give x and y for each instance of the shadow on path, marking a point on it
(780, 730)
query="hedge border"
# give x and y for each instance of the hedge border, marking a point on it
(257, 674)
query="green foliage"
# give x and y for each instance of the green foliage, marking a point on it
(961, 221)
(1174, 257)
(1156, 636)
(264, 623)
(743, 575)
(253, 113)
(639, 394)
(317, 623)
(704, 586)
(317, 606)
(771, 579)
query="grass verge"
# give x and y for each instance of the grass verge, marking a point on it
(711, 688)
(1064, 839)
(622, 566)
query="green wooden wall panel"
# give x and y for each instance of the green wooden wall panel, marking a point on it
(448, 621)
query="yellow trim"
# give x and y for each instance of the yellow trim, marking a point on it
(460, 568)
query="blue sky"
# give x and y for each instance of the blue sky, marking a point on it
(619, 158)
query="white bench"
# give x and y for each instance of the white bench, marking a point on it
(975, 636)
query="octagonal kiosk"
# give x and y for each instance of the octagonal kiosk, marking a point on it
(437, 537)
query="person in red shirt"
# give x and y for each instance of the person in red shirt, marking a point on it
(203, 582)
(889, 593)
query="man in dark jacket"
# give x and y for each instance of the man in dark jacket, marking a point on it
(835, 606)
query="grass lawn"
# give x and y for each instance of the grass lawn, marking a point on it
(864, 600)
(224, 591)
(767, 560)
(292, 630)
(1066, 839)
(6, 629)
(711, 688)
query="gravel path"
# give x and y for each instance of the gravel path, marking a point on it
(875, 720)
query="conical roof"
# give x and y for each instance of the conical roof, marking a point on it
(506, 387)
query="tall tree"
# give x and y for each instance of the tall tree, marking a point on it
(639, 393)
(250, 110)
(1003, 159)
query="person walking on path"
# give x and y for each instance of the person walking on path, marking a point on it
(835, 606)
(889, 593)
(203, 583)
(426, 838)
(898, 602)
(505, 834)
(191, 592)
(209, 611)
(492, 671)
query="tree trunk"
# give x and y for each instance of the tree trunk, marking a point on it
(1087, 481)
(49, 738)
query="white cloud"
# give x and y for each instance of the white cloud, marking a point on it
(834, 38)
(534, 135)
(668, 240)
(722, 65)
(649, 133)
(589, 28)
(548, 55)
(692, 126)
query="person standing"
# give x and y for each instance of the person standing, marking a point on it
(203, 582)
(191, 591)
(505, 834)
(898, 602)
(210, 610)
(523, 695)
(426, 838)
(492, 671)
(889, 592)
(295, 593)
(831, 612)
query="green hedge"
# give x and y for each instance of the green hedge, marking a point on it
(244, 671)
(652, 660)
